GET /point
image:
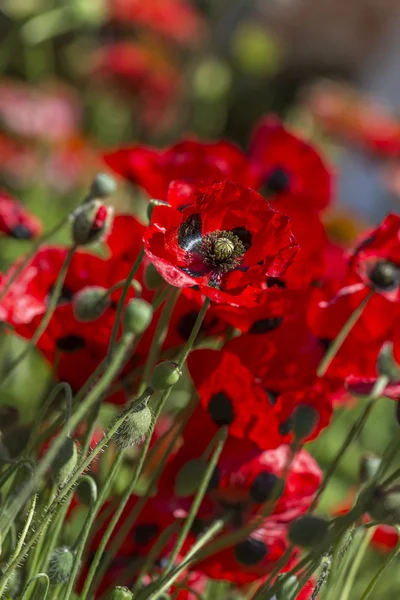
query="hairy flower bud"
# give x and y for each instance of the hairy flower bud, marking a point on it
(91, 222)
(308, 530)
(165, 375)
(90, 303)
(152, 278)
(65, 461)
(385, 275)
(387, 364)
(103, 186)
(87, 490)
(305, 418)
(137, 316)
(14, 583)
(188, 477)
(121, 593)
(60, 565)
(135, 426)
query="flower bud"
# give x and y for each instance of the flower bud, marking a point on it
(65, 461)
(121, 593)
(135, 426)
(137, 316)
(188, 477)
(152, 278)
(91, 222)
(305, 419)
(369, 466)
(87, 490)
(90, 303)
(60, 565)
(103, 186)
(387, 364)
(384, 505)
(288, 589)
(308, 530)
(385, 275)
(165, 375)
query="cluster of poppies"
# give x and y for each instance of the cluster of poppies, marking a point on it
(245, 233)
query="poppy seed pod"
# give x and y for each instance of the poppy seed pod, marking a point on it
(103, 186)
(305, 418)
(65, 461)
(120, 593)
(60, 565)
(387, 364)
(135, 426)
(188, 477)
(385, 275)
(308, 530)
(90, 303)
(137, 316)
(165, 375)
(152, 278)
(91, 222)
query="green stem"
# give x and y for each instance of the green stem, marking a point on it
(381, 571)
(121, 302)
(32, 581)
(355, 565)
(352, 435)
(35, 247)
(52, 305)
(84, 535)
(158, 339)
(220, 440)
(342, 335)
(194, 333)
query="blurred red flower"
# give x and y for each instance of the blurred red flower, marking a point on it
(15, 220)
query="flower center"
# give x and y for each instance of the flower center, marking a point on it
(222, 250)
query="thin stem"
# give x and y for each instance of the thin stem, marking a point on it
(355, 565)
(121, 302)
(79, 547)
(381, 571)
(52, 305)
(35, 247)
(352, 435)
(194, 333)
(342, 335)
(158, 339)
(31, 583)
(220, 440)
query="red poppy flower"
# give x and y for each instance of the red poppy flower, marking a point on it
(229, 395)
(385, 538)
(15, 220)
(226, 241)
(291, 170)
(178, 20)
(190, 161)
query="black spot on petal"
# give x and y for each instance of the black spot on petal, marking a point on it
(145, 533)
(286, 427)
(186, 324)
(214, 481)
(277, 181)
(21, 232)
(272, 396)
(190, 233)
(221, 409)
(251, 551)
(244, 236)
(275, 282)
(265, 325)
(262, 486)
(66, 296)
(70, 343)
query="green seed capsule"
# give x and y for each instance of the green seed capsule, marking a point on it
(103, 186)
(91, 222)
(152, 278)
(138, 315)
(165, 375)
(121, 593)
(60, 565)
(90, 303)
(308, 530)
(137, 423)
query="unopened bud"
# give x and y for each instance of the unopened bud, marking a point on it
(165, 375)
(305, 419)
(103, 186)
(65, 461)
(288, 589)
(384, 505)
(385, 275)
(369, 466)
(60, 565)
(91, 222)
(87, 490)
(308, 530)
(188, 477)
(90, 303)
(152, 278)
(387, 364)
(137, 316)
(121, 593)
(135, 426)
